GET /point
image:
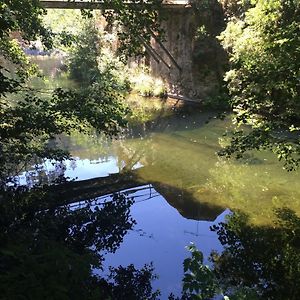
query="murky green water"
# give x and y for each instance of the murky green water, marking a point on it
(178, 153)
(195, 188)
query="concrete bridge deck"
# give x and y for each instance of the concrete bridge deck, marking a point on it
(87, 4)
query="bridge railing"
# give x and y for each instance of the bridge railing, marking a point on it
(87, 4)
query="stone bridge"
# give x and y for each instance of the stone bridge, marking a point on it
(189, 62)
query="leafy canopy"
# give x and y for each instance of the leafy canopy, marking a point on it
(264, 81)
(27, 124)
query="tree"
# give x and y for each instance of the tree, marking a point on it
(135, 23)
(27, 125)
(50, 249)
(25, 19)
(263, 44)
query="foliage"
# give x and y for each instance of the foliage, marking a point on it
(50, 249)
(24, 132)
(256, 263)
(135, 23)
(130, 283)
(27, 126)
(264, 79)
(25, 19)
(146, 85)
(83, 62)
(265, 259)
(199, 281)
(63, 20)
(56, 247)
(235, 8)
(91, 60)
(113, 70)
(64, 25)
(209, 56)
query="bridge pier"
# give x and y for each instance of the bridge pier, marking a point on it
(201, 62)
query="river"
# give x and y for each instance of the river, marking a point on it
(180, 185)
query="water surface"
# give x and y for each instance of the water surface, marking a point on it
(180, 185)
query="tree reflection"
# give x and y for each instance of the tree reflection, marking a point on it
(54, 251)
(258, 262)
(49, 251)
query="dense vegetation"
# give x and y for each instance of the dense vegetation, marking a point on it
(262, 39)
(28, 123)
(49, 249)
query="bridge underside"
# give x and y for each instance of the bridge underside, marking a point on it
(176, 59)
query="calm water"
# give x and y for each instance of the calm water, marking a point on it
(177, 155)
(182, 186)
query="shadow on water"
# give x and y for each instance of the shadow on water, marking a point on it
(183, 118)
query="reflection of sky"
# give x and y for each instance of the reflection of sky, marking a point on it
(79, 169)
(160, 236)
(87, 169)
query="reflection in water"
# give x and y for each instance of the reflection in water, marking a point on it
(61, 247)
(257, 262)
(161, 235)
(172, 162)
(53, 251)
(179, 151)
(181, 188)
(262, 258)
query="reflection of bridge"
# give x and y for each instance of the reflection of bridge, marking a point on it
(76, 4)
(92, 189)
(176, 195)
